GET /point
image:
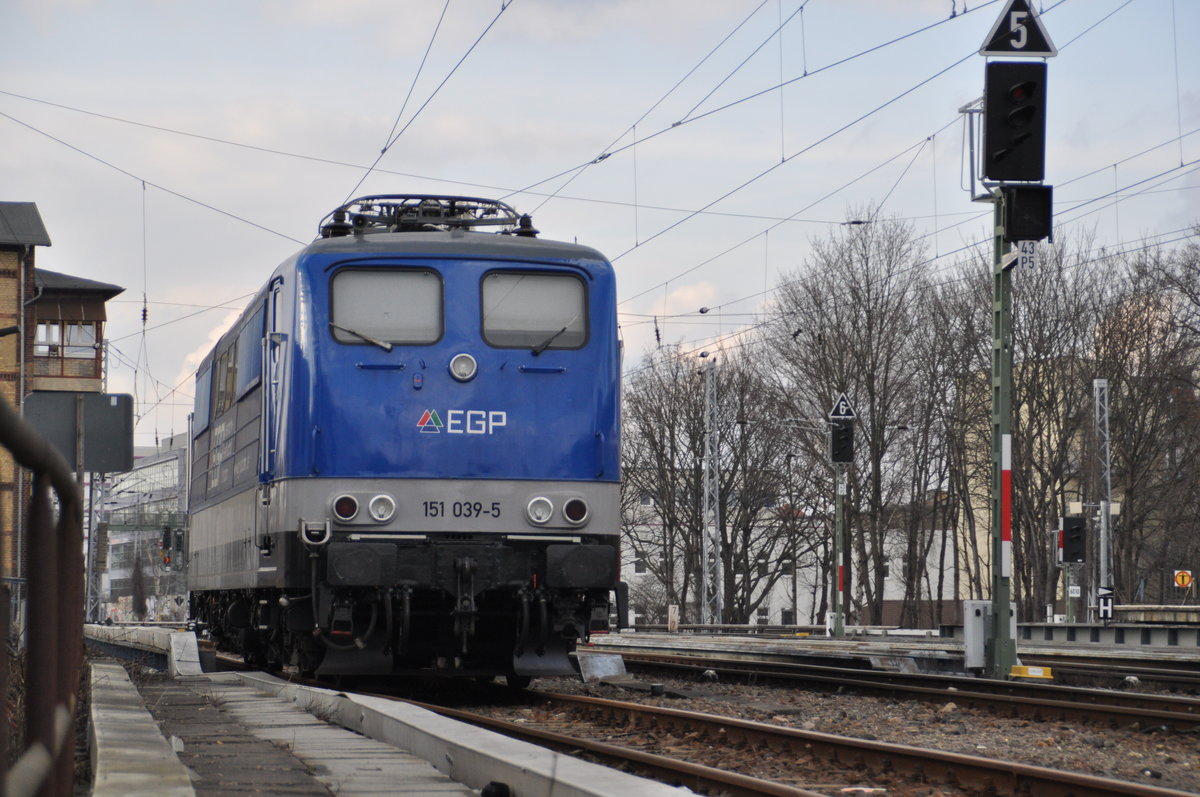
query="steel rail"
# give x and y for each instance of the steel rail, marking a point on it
(1039, 701)
(1117, 670)
(695, 776)
(970, 773)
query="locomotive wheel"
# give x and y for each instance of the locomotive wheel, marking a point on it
(308, 655)
(515, 681)
(254, 649)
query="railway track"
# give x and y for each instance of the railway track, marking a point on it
(804, 762)
(1008, 698)
(1114, 674)
(706, 752)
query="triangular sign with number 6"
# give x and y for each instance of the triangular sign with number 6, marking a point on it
(1018, 31)
(842, 408)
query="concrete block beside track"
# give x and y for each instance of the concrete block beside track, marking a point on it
(129, 755)
(472, 756)
(179, 647)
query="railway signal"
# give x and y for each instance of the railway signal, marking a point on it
(841, 431)
(841, 456)
(1074, 540)
(841, 442)
(1014, 150)
(1014, 121)
(1028, 212)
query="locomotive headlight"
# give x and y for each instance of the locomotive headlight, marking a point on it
(576, 511)
(382, 508)
(463, 367)
(345, 507)
(540, 510)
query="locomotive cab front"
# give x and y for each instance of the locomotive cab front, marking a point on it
(436, 428)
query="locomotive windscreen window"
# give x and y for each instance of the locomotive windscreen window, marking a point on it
(392, 305)
(540, 311)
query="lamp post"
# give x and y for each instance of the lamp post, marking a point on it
(712, 586)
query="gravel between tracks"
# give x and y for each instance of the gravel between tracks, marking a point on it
(1144, 755)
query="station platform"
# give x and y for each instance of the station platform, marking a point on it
(215, 736)
(182, 732)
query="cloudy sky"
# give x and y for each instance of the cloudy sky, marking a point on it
(183, 149)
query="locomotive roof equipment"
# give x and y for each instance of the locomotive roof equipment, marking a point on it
(423, 213)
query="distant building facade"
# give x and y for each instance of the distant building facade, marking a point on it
(144, 520)
(51, 338)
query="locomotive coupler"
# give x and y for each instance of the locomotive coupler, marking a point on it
(465, 610)
(528, 597)
(342, 622)
(405, 615)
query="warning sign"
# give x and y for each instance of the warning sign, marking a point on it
(1183, 578)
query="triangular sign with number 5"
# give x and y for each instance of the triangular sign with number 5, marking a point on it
(1018, 31)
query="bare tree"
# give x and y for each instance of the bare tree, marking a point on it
(662, 447)
(1146, 346)
(846, 324)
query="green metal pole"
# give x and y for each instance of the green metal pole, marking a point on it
(1002, 650)
(839, 545)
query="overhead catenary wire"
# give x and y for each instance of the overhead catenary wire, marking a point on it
(735, 103)
(150, 183)
(1166, 177)
(416, 76)
(723, 342)
(504, 5)
(797, 154)
(724, 196)
(715, 212)
(507, 190)
(809, 206)
(574, 173)
(775, 33)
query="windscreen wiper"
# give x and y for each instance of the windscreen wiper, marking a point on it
(383, 344)
(545, 344)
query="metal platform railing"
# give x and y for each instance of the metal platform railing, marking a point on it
(54, 652)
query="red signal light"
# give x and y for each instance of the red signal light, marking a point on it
(1023, 91)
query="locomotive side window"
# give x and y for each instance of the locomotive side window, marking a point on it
(203, 398)
(535, 310)
(390, 305)
(249, 352)
(224, 381)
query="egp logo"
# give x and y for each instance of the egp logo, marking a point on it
(462, 421)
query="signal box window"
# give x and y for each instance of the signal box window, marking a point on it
(65, 339)
(537, 311)
(388, 305)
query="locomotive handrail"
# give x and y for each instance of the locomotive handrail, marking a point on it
(55, 617)
(417, 212)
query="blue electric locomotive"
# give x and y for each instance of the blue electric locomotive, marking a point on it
(405, 451)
